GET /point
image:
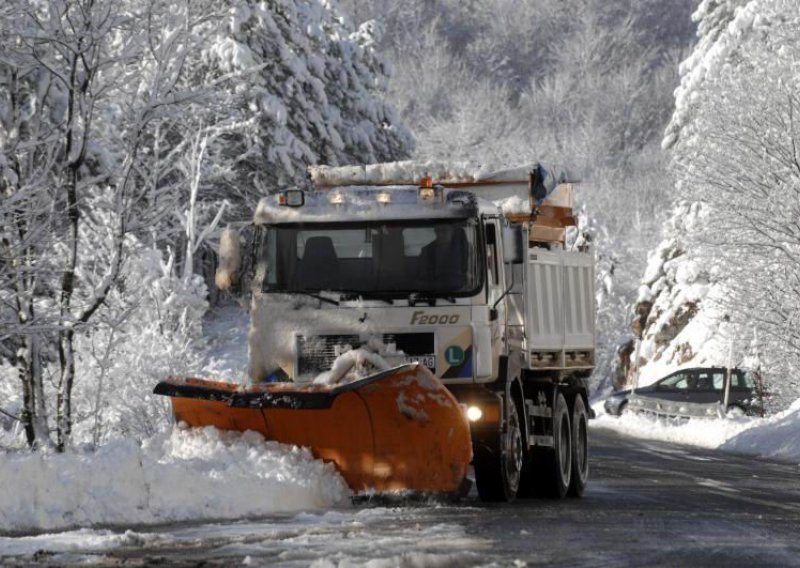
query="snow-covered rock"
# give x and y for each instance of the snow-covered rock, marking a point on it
(677, 318)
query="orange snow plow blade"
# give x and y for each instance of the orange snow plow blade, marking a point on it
(396, 430)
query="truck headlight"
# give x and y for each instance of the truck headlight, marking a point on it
(474, 413)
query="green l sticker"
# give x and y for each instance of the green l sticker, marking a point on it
(454, 355)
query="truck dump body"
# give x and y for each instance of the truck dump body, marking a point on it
(394, 431)
(559, 319)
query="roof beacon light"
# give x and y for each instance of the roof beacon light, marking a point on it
(427, 194)
(336, 198)
(383, 197)
(292, 198)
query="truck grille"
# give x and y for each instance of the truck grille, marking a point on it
(317, 353)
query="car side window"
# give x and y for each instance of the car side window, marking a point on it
(706, 380)
(719, 381)
(742, 381)
(678, 381)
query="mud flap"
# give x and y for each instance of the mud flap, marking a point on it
(397, 430)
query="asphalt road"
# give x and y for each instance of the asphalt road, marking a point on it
(647, 504)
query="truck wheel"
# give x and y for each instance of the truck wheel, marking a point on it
(580, 448)
(553, 468)
(498, 469)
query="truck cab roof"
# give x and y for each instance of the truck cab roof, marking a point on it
(369, 203)
(540, 197)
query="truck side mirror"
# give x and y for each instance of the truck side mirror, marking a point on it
(230, 259)
(513, 250)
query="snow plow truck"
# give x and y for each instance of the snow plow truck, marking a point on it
(411, 319)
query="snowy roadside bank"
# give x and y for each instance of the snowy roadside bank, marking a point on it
(179, 475)
(776, 437)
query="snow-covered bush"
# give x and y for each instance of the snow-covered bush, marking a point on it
(150, 329)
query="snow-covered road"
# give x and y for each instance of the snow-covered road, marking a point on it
(648, 503)
(350, 536)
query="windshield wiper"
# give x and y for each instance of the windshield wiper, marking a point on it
(429, 297)
(314, 295)
(350, 295)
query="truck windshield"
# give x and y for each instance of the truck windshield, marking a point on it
(388, 258)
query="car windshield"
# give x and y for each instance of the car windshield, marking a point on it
(387, 258)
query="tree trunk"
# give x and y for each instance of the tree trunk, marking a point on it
(37, 375)
(66, 350)
(34, 410)
(66, 332)
(28, 413)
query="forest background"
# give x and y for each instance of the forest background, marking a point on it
(131, 131)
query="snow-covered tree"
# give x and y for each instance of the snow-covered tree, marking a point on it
(312, 87)
(125, 128)
(587, 84)
(85, 92)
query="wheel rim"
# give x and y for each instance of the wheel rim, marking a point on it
(565, 457)
(513, 451)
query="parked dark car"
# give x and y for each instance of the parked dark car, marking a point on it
(690, 392)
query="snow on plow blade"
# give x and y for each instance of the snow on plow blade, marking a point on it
(396, 430)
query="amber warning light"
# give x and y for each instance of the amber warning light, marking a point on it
(426, 190)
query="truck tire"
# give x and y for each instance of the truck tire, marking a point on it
(580, 448)
(498, 469)
(553, 467)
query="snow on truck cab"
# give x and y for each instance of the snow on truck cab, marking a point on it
(459, 269)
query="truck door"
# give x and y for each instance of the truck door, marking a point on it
(495, 283)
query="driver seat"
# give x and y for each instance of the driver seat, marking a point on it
(319, 267)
